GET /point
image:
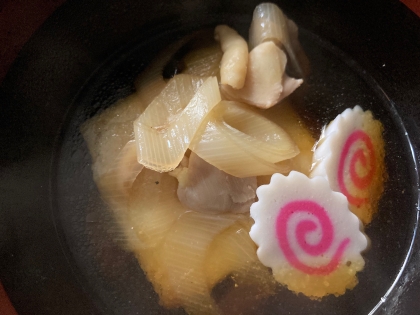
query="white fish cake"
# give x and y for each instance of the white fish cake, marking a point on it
(350, 154)
(307, 235)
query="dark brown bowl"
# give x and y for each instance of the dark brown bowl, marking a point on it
(58, 253)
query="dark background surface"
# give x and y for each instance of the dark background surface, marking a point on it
(383, 37)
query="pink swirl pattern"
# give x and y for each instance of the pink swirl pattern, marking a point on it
(359, 156)
(302, 229)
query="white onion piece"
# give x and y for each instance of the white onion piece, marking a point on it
(266, 82)
(166, 128)
(270, 24)
(233, 252)
(108, 132)
(204, 62)
(150, 89)
(115, 167)
(204, 188)
(150, 82)
(115, 187)
(150, 262)
(233, 67)
(298, 59)
(243, 123)
(286, 117)
(153, 207)
(122, 174)
(184, 254)
(225, 142)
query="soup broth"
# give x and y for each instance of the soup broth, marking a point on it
(96, 240)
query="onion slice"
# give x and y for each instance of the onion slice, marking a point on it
(233, 67)
(286, 117)
(233, 252)
(184, 254)
(239, 141)
(269, 23)
(121, 176)
(204, 62)
(153, 207)
(107, 133)
(166, 128)
(116, 186)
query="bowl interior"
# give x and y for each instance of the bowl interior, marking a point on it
(93, 241)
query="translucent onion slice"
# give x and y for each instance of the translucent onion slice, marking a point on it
(242, 143)
(115, 165)
(153, 210)
(108, 132)
(184, 256)
(299, 65)
(266, 82)
(270, 24)
(204, 62)
(150, 89)
(233, 67)
(242, 122)
(153, 207)
(166, 128)
(115, 187)
(150, 262)
(232, 264)
(120, 177)
(150, 82)
(234, 252)
(286, 117)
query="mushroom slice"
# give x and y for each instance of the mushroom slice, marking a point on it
(266, 82)
(234, 63)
